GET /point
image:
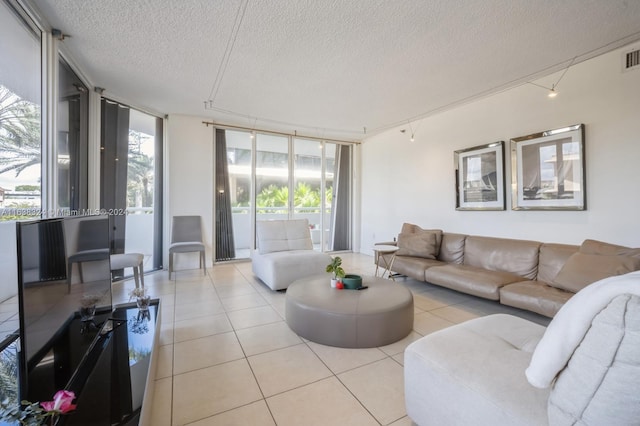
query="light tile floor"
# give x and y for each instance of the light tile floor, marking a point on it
(227, 357)
(9, 318)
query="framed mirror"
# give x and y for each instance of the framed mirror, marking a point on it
(480, 177)
(548, 170)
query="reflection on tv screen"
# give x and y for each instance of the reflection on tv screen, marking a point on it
(63, 271)
(9, 368)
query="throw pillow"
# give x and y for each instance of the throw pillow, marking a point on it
(410, 228)
(582, 269)
(422, 244)
(599, 247)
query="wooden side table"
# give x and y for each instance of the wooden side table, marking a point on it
(379, 251)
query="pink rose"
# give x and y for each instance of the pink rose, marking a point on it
(62, 402)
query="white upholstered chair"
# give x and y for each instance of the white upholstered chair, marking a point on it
(285, 253)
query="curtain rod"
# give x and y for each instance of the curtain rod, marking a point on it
(295, 135)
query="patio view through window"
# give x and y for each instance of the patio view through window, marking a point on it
(20, 117)
(294, 178)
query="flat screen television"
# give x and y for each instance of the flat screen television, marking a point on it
(63, 266)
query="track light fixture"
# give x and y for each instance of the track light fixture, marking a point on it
(552, 90)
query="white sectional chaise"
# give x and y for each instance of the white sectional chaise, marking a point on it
(285, 253)
(583, 369)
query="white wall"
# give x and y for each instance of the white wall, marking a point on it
(414, 182)
(190, 180)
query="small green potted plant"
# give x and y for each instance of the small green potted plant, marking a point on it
(336, 269)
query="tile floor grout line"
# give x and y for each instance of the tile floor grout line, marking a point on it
(273, 300)
(357, 399)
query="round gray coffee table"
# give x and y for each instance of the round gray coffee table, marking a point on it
(377, 316)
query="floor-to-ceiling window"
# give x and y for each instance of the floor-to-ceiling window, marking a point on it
(273, 176)
(72, 143)
(131, 180)
(20, 171)
(20, 117)
(309, 187)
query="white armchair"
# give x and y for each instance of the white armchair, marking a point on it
(285, 253)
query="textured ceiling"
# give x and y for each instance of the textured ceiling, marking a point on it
(329, 68)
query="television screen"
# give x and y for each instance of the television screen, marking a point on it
(63, 273)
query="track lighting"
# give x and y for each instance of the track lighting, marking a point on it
(552, 90)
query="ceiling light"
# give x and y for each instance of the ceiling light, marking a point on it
(552, 90)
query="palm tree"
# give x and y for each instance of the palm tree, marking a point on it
(139, 172)
(305, 196)
(273, 196)
(278, 196)
(19, 133)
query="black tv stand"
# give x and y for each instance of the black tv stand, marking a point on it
(106, 363)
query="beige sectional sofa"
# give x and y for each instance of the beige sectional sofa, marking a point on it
(531, 275)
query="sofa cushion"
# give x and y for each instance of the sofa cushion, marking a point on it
(452, 248)
(412, 267)
(582, 269)
(535, 296)
(552, 259)
(409, 228)
(518, 257)
(418, 244)
(283, 235)
(470, 279)
(599, 385)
